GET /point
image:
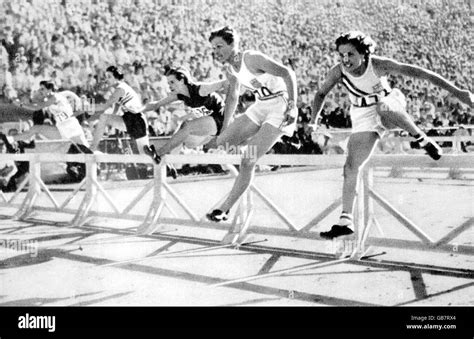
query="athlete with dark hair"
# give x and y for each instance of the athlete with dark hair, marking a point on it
(374, 107)
(57, 108)
(133, 120)
(195, 95)
(266, 121)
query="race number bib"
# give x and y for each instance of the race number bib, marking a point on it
(260, 90)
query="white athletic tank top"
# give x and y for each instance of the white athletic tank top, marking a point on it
(73, 99)
(130, 101)
(61, 110)
(367, 89)
(265, 86)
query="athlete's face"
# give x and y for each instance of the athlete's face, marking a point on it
(176, 86)
(221, 50)
(351, 59)
(44, 92)
(109, 79)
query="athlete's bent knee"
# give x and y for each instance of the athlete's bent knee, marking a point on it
(382, 109)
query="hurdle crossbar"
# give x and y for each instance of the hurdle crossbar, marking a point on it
(161, 190)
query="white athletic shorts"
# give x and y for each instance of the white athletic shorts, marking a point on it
(366, 119)
(271, 112)
(70, 128)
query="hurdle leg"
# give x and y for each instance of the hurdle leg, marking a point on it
(4, 197)
(34, 191)
(238, 231)
(171, 210)
(233, 172)
(249, 209)
(90, 198)
(73, 194)
(275, 209)
(365, 212)
(140, 195)
(19, 189)
(351, 244)
(150, 223)
(181, 202)
(266, 200)
(233, 233)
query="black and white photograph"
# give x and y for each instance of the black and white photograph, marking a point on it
(236, 163)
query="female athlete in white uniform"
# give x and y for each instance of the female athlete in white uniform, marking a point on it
(272, 116)
(57, 107)
(374, 107)
(133, 120)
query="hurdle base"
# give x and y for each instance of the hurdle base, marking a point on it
(81, 221)
(230, 238)
(236, 238)
(145, 229)
(24, 215)
(344, 246)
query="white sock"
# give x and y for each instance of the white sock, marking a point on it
(421, 139)
(346, 219)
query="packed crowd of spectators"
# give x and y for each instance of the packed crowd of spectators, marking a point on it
(72, 43)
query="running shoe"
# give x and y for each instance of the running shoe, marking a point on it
(151, 151)
(217, 215)
(171, 171)
(336, 231)
(432, 148)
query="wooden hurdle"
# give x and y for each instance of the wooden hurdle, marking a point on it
(425, 243)
(242, 224)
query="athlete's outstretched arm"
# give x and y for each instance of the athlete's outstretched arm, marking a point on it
(390, 66)
(154, 105)
(116, 95)
(333, 77)
(266, 64)
(206, 88)
(39, 105)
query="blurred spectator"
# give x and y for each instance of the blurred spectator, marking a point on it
(71, 44)
(7, 92)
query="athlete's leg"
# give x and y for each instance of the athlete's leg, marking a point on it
(396, 116)
(70, 129)
(200, 127)
(392, 117)
(80, 139)
(359, 148)
(261, 142)
(106, 119)
(238, 132)
(47, 131)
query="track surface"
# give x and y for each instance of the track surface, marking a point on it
(80, 266)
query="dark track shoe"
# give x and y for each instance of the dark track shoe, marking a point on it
(171, 171)
(151, 151)
(336, 231)
(217, 216)
(432, 149)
